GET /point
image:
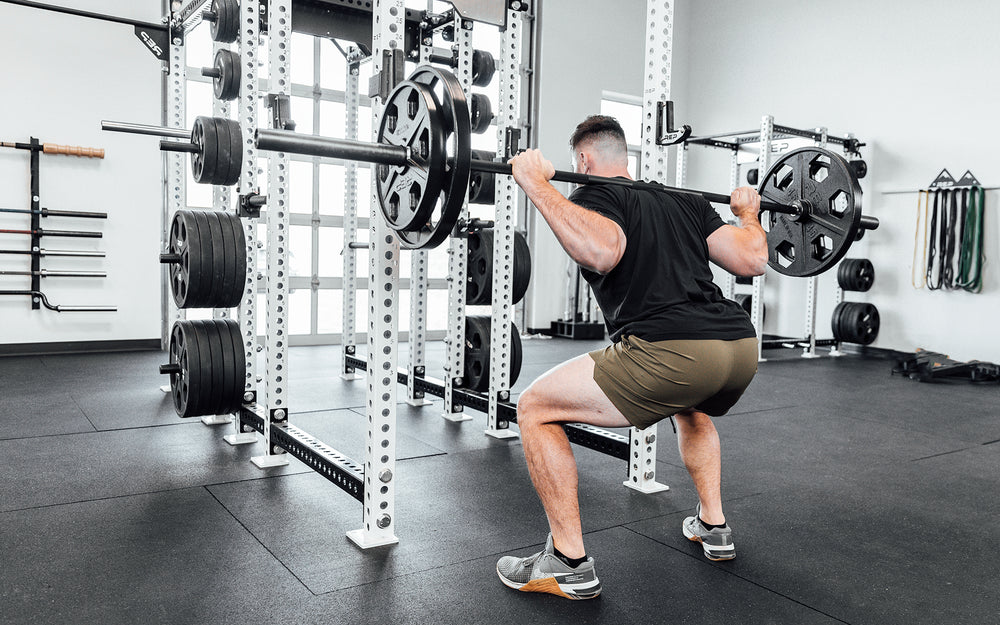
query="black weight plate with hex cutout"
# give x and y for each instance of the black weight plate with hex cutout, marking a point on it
(409, 193)
(824, 184)
(451, 102)
(185, 382)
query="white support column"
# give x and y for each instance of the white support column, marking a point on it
(757, 303)
(656, 88)
(508, 116)
(352, 101)
(811, 289)
(221, 201)
(418, 304)
(383, 324)
(175, 188)
(729, 282)
(458, 256)
(249, 42)
(275, 388)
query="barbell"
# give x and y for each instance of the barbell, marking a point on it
(424, 161)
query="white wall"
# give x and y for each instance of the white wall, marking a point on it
(61, 75)
(585, 48)
(915, 80)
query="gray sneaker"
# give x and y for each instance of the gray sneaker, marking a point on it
(717, 543)
(544, 572)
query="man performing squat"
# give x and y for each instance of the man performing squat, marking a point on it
(679, 348)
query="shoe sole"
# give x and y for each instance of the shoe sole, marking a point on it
(547, 585)
(711, 556)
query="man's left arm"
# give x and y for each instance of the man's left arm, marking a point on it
(592, 240)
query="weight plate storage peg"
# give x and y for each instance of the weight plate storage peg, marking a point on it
(477, 353)
(823, 187)
(207, 368)
(206, 251)
(856, 274)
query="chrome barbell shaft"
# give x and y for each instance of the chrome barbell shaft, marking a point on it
(144, 129)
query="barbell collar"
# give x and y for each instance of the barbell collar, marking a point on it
(145, 129)
(345, 149)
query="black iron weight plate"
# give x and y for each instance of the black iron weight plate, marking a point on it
(216, 265)
(203, 264)
(456, 125)
(209, 341)
(230, 293)
(224, 164)
(179, 243)
(408, 193)
(204, 162)
(808, 245)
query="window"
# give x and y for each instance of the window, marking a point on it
(628, 111)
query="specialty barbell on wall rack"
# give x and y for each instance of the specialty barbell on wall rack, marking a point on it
(424, 160)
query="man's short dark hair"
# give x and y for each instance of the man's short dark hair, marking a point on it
(596, 128)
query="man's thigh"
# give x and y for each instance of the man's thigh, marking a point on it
(568, 393)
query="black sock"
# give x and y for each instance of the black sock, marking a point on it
(709, 526)
(570, 562)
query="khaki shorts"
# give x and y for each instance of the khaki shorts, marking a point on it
(649, 382)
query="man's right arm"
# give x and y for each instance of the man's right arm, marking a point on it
(741, 250)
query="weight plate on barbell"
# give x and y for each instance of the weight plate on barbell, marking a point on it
(451, 102)
(823, 183)
(409, 193)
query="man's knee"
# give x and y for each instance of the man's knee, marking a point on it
(530, 408)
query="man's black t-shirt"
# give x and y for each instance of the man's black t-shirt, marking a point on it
(662, 287)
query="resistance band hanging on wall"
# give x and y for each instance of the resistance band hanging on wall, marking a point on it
(948, 242)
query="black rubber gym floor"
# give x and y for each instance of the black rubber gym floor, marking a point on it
(855, 496)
